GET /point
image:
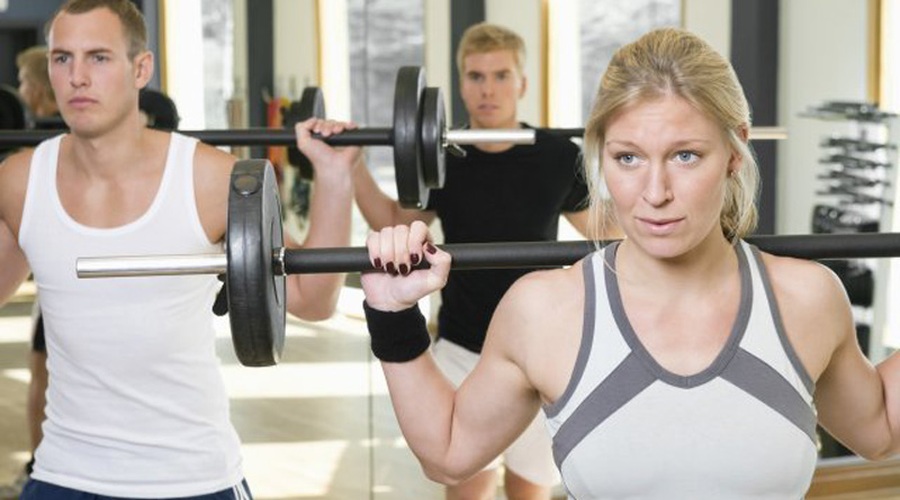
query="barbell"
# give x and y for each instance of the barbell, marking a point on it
(255, 261)
(756, 133)
(419, 135)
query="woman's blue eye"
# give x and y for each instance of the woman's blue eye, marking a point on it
(686, 156)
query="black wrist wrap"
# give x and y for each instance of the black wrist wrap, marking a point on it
(399, 336)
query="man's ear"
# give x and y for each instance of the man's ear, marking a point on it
(523, 87)
(143, 68)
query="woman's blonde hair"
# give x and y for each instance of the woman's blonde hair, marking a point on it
(671, 61)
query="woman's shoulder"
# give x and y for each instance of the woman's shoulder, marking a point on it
(800, 276)
(538, 293)
(808, 293)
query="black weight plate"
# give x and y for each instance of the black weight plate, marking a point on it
(433, 125)
(256, 306)
(311, 104)
(411, 189)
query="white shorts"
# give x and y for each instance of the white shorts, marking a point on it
(530, 456)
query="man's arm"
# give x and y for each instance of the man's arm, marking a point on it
(314, 297)
(13, 179)
(15, 267)
(379, 209)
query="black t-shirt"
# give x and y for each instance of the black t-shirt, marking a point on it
(514, 195)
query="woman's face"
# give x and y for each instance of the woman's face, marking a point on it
(666, 165)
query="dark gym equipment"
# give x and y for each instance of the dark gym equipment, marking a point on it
(255, 261)
(160, 109)
(311, 104)
(13, 111)
(13, 115)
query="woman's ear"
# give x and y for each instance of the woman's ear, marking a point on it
(744, 133)
(736, 160)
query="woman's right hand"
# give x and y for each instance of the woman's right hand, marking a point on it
(394, 252)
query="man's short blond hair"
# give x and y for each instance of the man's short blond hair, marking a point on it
(485, 37)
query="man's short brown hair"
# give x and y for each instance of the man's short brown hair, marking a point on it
(133, 25)
(485, 37)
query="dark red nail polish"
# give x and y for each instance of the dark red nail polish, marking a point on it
(377, 263)
(415, 258)
(391, 269)
(430, 248)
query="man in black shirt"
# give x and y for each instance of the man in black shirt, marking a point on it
(498, 192)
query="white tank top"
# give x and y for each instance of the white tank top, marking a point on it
(627, 428)
(136, 405)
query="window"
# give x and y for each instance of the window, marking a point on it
(384, 35)
(606, 25)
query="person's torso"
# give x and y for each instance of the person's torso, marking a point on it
(625, 427)
(514, 195)
(136, 405)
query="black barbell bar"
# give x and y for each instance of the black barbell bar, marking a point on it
(419, 135)
(372, 136)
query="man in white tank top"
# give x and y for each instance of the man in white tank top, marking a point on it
(137, 407)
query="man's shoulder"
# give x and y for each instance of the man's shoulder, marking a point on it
(15, 164)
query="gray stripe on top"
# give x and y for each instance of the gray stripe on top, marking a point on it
(779, 325)
(755, 377)
(587, 335)
(628, 380)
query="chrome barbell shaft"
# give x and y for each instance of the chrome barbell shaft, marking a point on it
(150, 265)
(485, 136)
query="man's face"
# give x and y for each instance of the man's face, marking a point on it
(95, 82)
(491, 88)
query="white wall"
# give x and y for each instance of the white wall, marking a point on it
(711, 20)
(335, 57)
(184, 62)
(822, 57)
(439, 57)
(296, 48)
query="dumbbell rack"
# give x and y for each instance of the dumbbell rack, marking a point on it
(857, 183)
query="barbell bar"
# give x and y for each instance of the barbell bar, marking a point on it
(756, 133)
(472, 256)
(255, 261)
(419, 135)
(283, 137)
